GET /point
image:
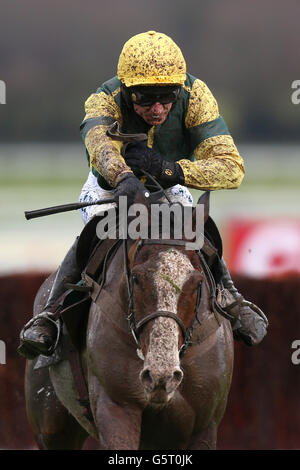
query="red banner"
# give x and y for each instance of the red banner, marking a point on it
(264, 248)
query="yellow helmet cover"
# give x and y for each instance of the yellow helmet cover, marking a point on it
(151, 59)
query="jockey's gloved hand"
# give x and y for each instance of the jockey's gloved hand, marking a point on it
(140, 157)
(129, 186)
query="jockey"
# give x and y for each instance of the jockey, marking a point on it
(188, 145)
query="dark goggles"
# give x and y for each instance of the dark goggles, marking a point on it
(147, 96)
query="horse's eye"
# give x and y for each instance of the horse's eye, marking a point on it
(135, 278)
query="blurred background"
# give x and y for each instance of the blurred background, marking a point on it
(53, 55)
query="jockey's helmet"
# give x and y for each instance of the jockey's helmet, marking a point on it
(151, 59)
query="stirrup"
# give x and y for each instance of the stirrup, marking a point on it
(226, 310)
(46, 315)
(239, 302)
(247, 303)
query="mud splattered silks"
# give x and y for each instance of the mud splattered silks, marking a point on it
(194, 135)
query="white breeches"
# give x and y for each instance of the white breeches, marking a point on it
(91, 191)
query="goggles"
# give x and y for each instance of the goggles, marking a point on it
(147, 96)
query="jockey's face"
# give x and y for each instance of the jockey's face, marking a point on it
(155, 114)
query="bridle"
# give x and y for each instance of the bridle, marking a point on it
(136, 327)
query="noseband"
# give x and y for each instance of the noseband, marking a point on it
(136, 327)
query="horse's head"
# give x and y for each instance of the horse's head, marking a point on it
(165, 285)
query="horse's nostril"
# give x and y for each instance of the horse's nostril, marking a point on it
(174, 381)
(162, 381)
(177, 375)
(147, 379)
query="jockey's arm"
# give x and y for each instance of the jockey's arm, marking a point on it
(218, 164)
(104, 153)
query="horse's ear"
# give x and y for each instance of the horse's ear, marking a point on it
(204, 199)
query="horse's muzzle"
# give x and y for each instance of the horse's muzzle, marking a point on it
(160, 386)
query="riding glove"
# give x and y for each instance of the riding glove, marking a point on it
(129, 186)
(140, 157)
